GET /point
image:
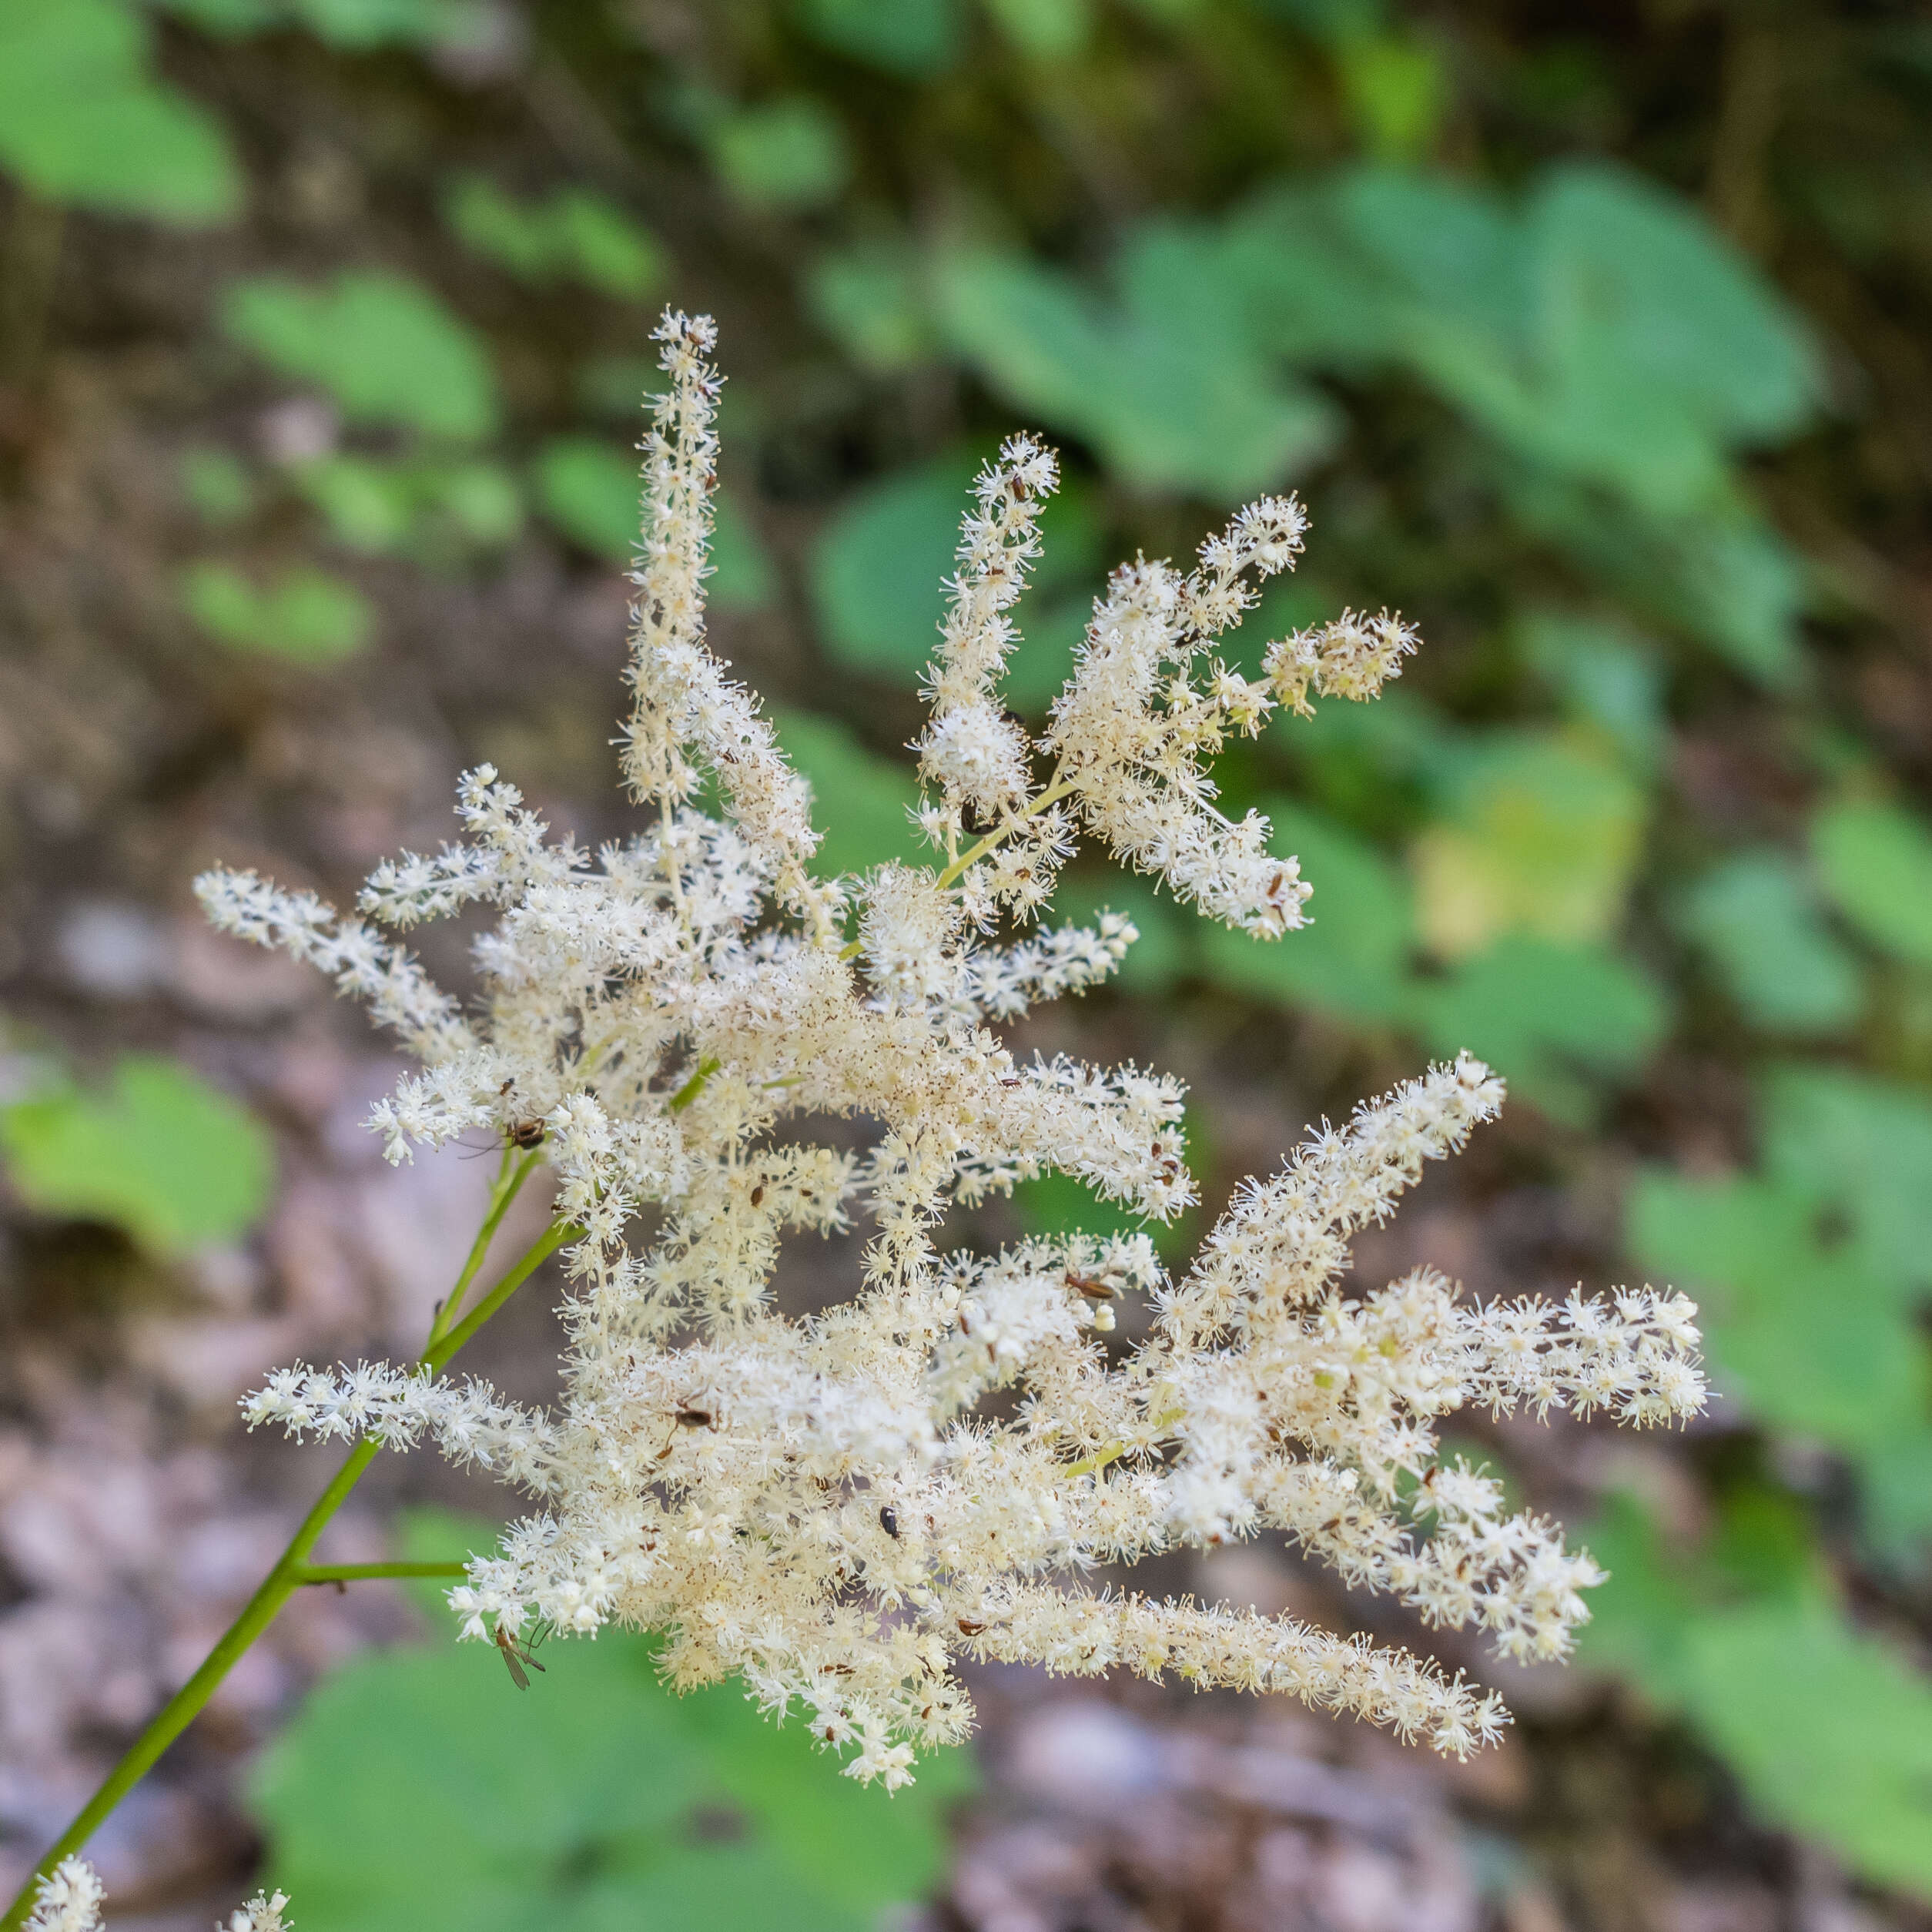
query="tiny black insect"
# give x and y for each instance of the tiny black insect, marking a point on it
(889, 1522)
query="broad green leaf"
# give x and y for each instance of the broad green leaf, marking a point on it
(368, 504)
(304, 616)
(591, 491)
(1755, 918)
(83, 119)
(1351, 959)
(1634, 278)
(1553, 1020)
(1167, 386)
(159, 1152)
(1796, 1316)
(1540, 836)
(1722, 574)
(380, 507)
(1864, 1145)
(914, 39)
(860, 801)
(1828, 1729)
(418, 1789)
(382, 346)
(1876, 862)
(870, 300)
(574, 232)
(785, 156)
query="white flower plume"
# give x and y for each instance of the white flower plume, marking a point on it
(835, 1508)
(69, 1899)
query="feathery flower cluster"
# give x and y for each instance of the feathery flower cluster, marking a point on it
(832, 1508)
(69, 1899)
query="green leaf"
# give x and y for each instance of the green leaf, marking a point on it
(382, 346)
(591, 491)
(1553, 1019)
(1866, 1146)
(1721, 573)
(368, 505)
(1167, 385)
(304, 616)
(1801, 1323)
(418, 1789)
(1633, 279)
(1876, 863)
(1829, 1729)
(914, 39)
(786, 156)
(574, 232)
(870, 300)
(1540, 835)
(1756, 919)
(82, 118)
(860, 801)
(160, 1153)
(1352, 960)
(380, 507)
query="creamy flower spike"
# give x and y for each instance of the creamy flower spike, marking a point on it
(69, 1900)
(832, 1507)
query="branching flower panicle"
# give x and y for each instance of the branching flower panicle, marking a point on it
(832, 1507)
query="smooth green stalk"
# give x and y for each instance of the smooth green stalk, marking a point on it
(508, 1183)
(695, 1085)
(971, 855)
(306, 1573)
(293, 1571)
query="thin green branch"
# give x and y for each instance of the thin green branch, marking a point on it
(307, 1573)
(508, 1184)
(293, 1571)
(695, 1085)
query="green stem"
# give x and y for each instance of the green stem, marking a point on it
(508, 1184)
(306, 1573)
(293, 1571)
(695, 1085)
(533, 1257)
(973, 854)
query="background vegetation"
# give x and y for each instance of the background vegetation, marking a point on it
(1595, 340)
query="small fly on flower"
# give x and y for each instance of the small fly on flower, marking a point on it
(517, 1653)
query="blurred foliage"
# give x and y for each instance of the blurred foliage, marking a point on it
(1826, 1726)
(307, 617)
(1603, 361)
(419, 1789)
(84, 120)
(158, 1153)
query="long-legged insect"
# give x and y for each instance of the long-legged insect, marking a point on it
(516, 1654)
